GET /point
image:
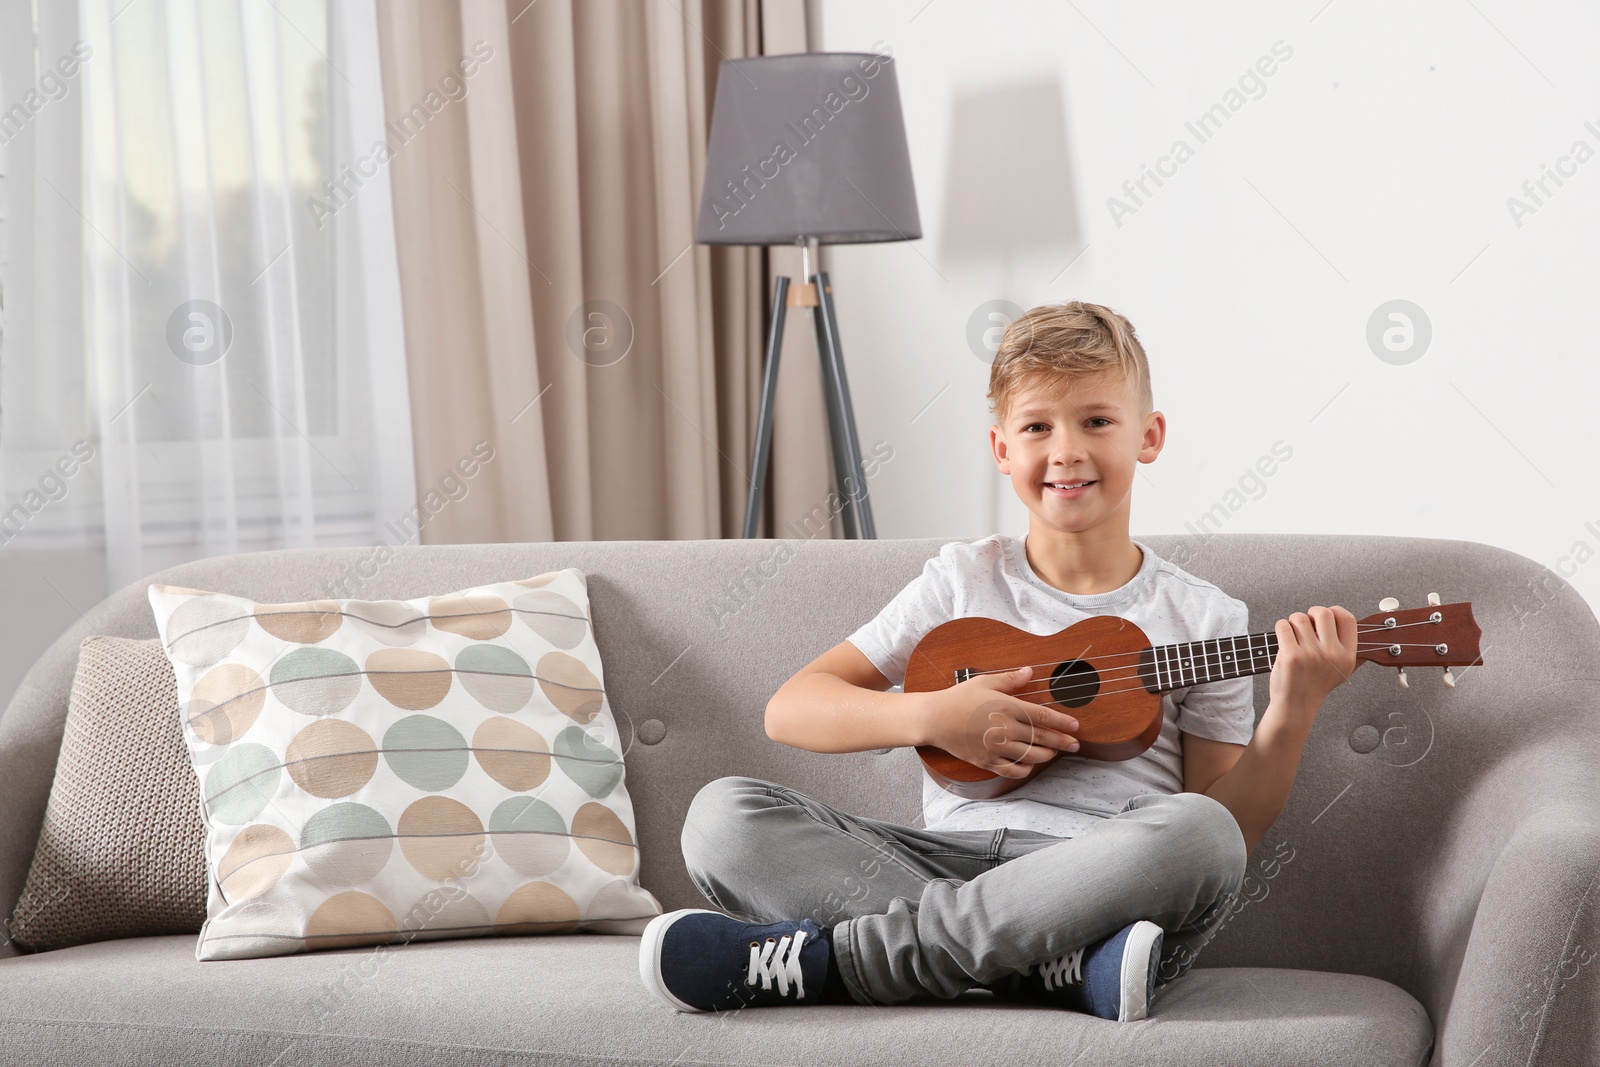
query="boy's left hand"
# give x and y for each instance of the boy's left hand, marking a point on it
(1316, 653)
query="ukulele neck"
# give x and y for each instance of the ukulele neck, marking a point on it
(1186, 663)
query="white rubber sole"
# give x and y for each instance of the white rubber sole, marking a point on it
(650, 942)
(1136, 952)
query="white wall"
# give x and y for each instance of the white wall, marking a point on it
(1376, 164)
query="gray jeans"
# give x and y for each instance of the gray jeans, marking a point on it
(918, 913)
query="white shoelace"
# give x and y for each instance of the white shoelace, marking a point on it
(1062, 970)
(770, 961)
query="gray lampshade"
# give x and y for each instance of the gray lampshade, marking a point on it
(807, 145)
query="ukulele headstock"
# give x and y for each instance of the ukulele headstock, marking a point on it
(1439, 635)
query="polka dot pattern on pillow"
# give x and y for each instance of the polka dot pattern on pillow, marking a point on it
(381, 771)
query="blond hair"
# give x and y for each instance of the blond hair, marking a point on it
(1070, 341)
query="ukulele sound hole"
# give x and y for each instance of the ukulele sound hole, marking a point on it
(1074, 684)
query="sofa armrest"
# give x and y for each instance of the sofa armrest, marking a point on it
(1528, 988)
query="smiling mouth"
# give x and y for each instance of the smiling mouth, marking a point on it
(1068, 486)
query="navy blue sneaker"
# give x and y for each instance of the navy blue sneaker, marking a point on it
(1114, 978)
(699, 960)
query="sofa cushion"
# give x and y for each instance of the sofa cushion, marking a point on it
(378, 771)
(121, 852)
(577, 1000)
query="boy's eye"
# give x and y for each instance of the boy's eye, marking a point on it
(1097, 418)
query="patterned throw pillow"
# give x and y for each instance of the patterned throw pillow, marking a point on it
(372, 772)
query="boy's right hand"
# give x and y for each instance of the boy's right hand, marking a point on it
(980, 722)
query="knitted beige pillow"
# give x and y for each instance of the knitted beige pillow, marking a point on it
(122, 849)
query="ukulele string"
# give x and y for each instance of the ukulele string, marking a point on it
(1196, 665)
(1206, 657)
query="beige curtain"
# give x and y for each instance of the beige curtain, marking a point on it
(546, 166)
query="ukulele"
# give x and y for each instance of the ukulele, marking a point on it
(1107, 674)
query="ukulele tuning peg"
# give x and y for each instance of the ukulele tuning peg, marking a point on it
(1388, 603)
(1433, 600)
(1449, 679)
(1403, 683)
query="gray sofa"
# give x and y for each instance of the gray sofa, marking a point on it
(1428, 896)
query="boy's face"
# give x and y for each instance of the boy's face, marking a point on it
(1088, 432)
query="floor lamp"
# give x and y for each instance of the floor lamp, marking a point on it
(809, 148)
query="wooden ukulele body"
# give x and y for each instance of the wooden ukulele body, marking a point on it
(1100, 671)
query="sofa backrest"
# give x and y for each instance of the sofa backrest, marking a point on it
(695, 637)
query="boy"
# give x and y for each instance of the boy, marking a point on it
(1094, 883)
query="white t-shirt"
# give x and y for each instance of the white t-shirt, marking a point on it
(991, 578)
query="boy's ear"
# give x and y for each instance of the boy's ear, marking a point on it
(1159, 428)
(997, 448)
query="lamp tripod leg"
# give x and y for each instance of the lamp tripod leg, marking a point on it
(833, 399)
(769, 389)
(848, 470)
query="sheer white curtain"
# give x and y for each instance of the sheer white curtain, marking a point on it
(214, 318)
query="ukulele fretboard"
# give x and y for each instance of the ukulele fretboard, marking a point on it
(1216, 659)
